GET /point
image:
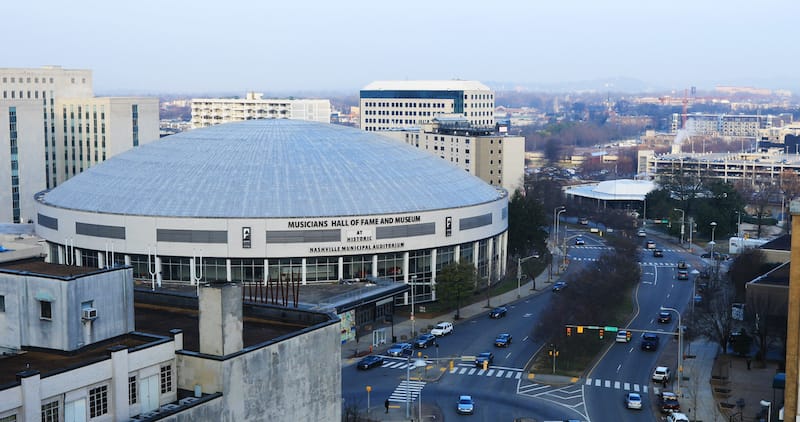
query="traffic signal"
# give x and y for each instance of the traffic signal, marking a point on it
(485, 365)
(569, 331)
(628, 335)
(602, 331)
(580, 329)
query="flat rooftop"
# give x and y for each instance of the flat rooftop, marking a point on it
(53, 270)
(49, 361)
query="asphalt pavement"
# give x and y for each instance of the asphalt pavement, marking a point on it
(711, 387)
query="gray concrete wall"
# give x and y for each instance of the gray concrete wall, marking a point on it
(297, 379)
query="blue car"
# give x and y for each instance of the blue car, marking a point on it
(503, 340)
(498, 312)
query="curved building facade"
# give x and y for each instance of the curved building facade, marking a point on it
(277, 200)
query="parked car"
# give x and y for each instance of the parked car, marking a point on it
(622, 336)
(658, 253)
(649, 341)
(641, 233)
(466, 405)
(683, 275)
(503, 340)
(633, 401)
(484, 357)
(400, 349)
(559, 285)
(664, 317)
(442, 328)
(660, 374)
(716, 255)
(370, 361)
(677, 417)
(668, 402)
(424, 340)
(579, 241)
(650, 244)
(498, 312)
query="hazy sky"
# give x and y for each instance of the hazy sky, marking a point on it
(163, 46)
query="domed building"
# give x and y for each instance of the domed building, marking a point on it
(276, 200)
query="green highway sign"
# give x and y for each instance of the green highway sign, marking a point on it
(611, 329)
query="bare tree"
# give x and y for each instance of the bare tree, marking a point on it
(714, 320)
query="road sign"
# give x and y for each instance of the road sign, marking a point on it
(611, 329)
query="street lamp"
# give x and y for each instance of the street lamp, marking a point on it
(519, 272)
(558, 223)
(417, 362)
(680, 348)
(739, 225)
(768, 405)
(683, 214)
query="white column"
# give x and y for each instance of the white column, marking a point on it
(406, 278)
(266, 271)
(76, 253)
(433, 274)
(303, 273)
(375, 265)
(341, 268)
(101, 260)
(159, 274)
(30, 382)
(457, 253)
(119, 382)
(228, 271)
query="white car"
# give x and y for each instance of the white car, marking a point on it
(633, 401)
(661, 374)
(677, 417)
(622, 337)
(641, 233)
(442, 328)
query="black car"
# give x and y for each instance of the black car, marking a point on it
(503, 340)
(649, 341)
(498, 312)
(425, 340)
(370, 361)
(658, 253)
(664, 317)
(484, 357)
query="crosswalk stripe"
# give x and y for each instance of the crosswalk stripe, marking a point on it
(644, 389)
(608, 384)
(597, 383)
(472, 371)
(499, 373)
(626, 386)
(519, 375)
(616, 385)
(636, 387)
(509, 374)
(588, 381)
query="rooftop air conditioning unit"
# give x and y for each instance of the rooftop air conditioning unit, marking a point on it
(89, 313)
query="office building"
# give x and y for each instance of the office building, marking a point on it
(387, 105)
(214, 111)
(495, 158)
(52, 127)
